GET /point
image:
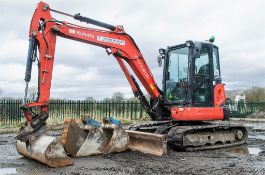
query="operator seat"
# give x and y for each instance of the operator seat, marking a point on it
(202, 94)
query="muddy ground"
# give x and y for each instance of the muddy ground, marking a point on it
(248, 159)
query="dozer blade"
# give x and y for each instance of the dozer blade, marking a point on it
(147, 142)
(80, 142)
(45, 149)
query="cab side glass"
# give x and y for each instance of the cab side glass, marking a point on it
(216, 66)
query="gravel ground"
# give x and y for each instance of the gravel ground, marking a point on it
(248, 159)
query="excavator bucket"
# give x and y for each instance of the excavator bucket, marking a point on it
(94, 143)
(118, 138)
(149, 143)
(80, 142)
(45, 149)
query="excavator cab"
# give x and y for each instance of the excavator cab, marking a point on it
(191, 72)
(194, 94)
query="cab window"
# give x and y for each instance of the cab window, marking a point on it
(216, 66)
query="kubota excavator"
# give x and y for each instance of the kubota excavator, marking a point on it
(192, 94)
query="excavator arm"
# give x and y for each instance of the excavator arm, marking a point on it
(43, 32)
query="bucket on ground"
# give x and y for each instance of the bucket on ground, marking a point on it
(45, 149)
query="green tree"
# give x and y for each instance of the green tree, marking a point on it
(133, 99)
(255, 94)
(107, 99)
(90, 99)
(32, 93)
(118, 96)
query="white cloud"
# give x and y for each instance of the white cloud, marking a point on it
(83, 70)
(13, 49)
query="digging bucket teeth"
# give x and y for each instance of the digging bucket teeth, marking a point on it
(45, 149)
(149, 143)
(80, 142)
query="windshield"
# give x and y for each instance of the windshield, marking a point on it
(177, 75)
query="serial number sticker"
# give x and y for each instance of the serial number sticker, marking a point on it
(111, 40)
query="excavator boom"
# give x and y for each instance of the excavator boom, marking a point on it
(43, 32)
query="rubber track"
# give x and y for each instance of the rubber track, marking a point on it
(175, 136)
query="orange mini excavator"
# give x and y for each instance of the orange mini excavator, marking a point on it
(192, 94)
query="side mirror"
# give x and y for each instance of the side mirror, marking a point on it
(159, 60)
(196, 52)
(162, 53)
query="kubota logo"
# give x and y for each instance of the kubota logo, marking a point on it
(71, 31)
(80, 33)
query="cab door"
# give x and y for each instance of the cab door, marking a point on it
(202, 78)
